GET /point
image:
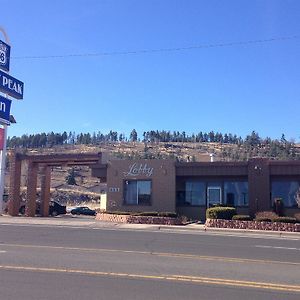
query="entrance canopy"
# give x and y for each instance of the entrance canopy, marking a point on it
(43, 162)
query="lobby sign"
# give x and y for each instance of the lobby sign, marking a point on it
(11, 86)
(139, 169)
(4, 56)
(4, 110)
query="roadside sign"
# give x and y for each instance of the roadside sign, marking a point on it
(11, 86)
(4, 56)
(4, 110)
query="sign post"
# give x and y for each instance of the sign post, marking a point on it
(10, 87)
(2, 167)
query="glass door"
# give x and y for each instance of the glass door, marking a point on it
(214, 195)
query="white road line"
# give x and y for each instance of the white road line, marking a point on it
(2, 251)
(276, 247)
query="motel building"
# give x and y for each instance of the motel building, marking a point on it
(189, 188)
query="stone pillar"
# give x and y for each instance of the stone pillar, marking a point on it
(259, 185)
(14, 185)
(45, 190)
(31, 189)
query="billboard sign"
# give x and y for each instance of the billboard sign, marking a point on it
(4, 110)
(11, 86)
(4, 56)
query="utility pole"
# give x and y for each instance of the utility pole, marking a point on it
(3, 151)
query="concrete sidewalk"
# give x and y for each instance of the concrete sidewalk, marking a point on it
(90, 222)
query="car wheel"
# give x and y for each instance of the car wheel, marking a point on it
(54, 213)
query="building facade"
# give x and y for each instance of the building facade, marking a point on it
(190, 188)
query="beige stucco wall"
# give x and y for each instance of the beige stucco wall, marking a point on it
(162, 175)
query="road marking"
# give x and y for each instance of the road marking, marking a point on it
(277, 247)
(164, 254)
(178, 278)
(2, 251)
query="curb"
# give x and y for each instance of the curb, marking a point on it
(88, 223)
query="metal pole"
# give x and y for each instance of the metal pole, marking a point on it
(2, 168)
(3, 152)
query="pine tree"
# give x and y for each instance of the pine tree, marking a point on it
(70, 178)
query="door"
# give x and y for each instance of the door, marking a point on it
(214, 195)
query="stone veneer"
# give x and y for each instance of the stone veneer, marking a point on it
(138, 219)
(255, 225)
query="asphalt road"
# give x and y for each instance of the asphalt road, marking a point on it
(50, 262)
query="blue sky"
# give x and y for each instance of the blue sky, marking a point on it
(233, 89)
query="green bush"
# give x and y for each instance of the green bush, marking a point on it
(118, 212)
(285, 220)
(225, 213)
(168, 214)
(242, 218)
(147, 214)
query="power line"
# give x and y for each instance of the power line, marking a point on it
(147, 51)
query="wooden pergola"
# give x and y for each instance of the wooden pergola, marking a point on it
(44, 163)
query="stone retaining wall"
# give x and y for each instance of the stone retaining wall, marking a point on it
(235, 224)
(138, 219)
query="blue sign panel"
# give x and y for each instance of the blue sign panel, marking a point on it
(4, 110)
(4, 56)
(11, 86)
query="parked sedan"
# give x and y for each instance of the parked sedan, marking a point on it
(83, 210)
(54, 209)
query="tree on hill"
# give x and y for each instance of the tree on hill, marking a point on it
(71, 177)
(133, 135)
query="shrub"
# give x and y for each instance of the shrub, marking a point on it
(147, 214)
(118, 212)
(285, 220)
(225, 213)
(242, 218)
(266, 216)
(156, 214)
(297, 216)
(168, 214)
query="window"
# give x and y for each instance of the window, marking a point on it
(236, 193)
(214, 193)
(137, 192)
(287, 191)
(194, 193)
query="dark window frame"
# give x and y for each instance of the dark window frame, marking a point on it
(207, 182)
(282, 180)
(137, 204)
(237, 206)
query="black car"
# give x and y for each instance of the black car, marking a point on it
(54, 209)
(83, 210)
